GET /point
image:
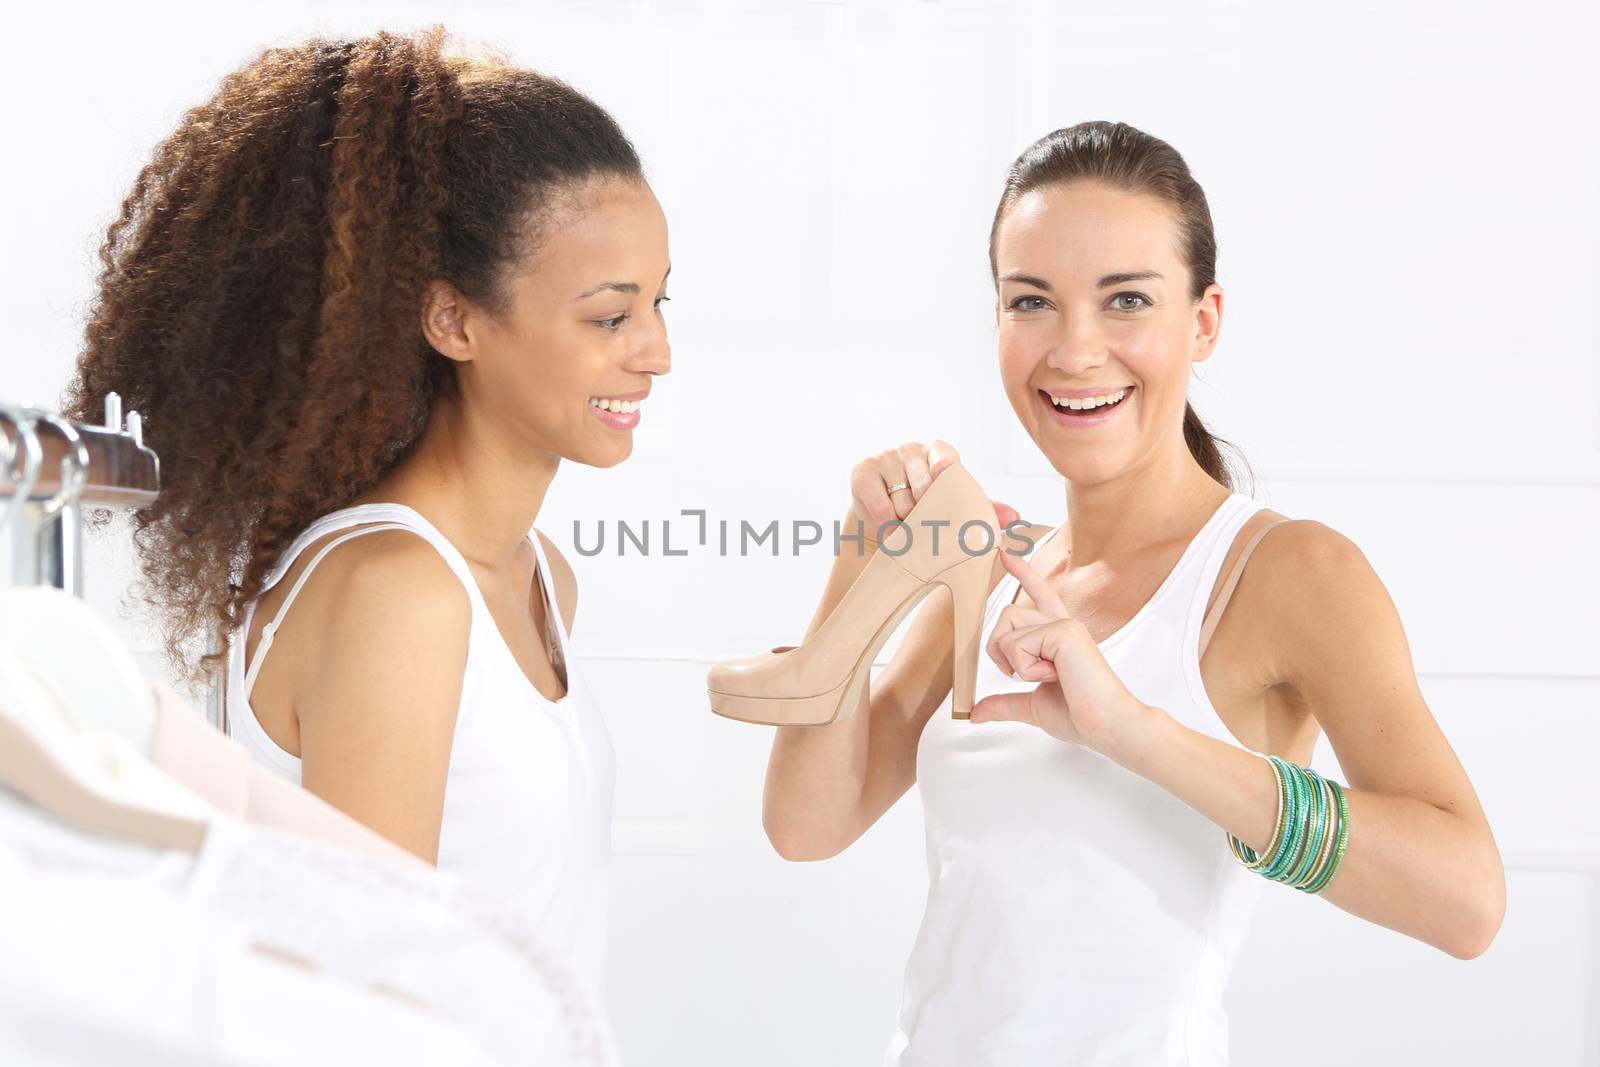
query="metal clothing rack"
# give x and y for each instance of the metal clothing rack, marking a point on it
(50, 468)
(53, 467)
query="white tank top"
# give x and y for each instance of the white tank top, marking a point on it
(527, 803)
(1078, 913)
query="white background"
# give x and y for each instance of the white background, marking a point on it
(1405, 201)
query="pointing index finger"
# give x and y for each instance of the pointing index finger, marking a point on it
(1034, 584)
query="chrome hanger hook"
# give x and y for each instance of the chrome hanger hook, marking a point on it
(23, 425)
(74, 465)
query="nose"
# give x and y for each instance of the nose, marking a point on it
(1078, 346)
(653, 354)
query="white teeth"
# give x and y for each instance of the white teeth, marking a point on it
(1089, 402)
(622, 407)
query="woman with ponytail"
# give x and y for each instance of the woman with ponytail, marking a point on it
(1100, 830)
(368, 297)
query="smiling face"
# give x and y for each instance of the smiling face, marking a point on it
(564, 368)
(1093, 301)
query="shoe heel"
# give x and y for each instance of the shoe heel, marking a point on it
(969, 591)
(824, 679)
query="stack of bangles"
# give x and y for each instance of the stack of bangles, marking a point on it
(1306, 802)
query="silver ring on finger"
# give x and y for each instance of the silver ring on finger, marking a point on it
(898, 486)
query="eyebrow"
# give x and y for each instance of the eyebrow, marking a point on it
(1026, 279)
(1129, 276)
(620, 287)
(631, 288)
(1110, 279)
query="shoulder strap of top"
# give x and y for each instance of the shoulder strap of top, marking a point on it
(560, 652)
(381, 516)
(547, 582)
(270, 629)
(1010, 583)
(1215, 614)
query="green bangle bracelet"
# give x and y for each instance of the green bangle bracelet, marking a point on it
(1344, 836)
(1318, 857)
(1244, 853)
(1310, 834)
(1302, 827)
(1317, 822)
(1299, 801)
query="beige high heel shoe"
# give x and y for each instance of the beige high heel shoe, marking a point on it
(822, 680)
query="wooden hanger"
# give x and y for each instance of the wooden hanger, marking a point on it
(28, 767)
(85, 767)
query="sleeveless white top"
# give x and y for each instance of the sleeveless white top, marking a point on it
(527, 803)
(1078, 913)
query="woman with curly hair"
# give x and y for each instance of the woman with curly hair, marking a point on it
(368, 297)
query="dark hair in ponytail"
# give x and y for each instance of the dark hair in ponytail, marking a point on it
(1130, 159)
(261, 291)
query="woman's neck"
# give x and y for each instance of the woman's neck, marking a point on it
(472, 481)
(1145, 505)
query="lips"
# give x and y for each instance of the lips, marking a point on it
(1084, 419)
(617, 420)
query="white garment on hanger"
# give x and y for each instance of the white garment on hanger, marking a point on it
(257, 945)
(267, 948)
(106, 962)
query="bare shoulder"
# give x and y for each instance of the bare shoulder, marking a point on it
(393, 568)
(377, 709)
(362, 582)
(563, 578)
(393, 585)
(1301, 554)
(1323, 595)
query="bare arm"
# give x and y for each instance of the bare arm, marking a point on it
(1421, 857)
(377, 708)
(826, 785)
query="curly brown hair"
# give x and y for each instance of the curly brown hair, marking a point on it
(260, 294)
